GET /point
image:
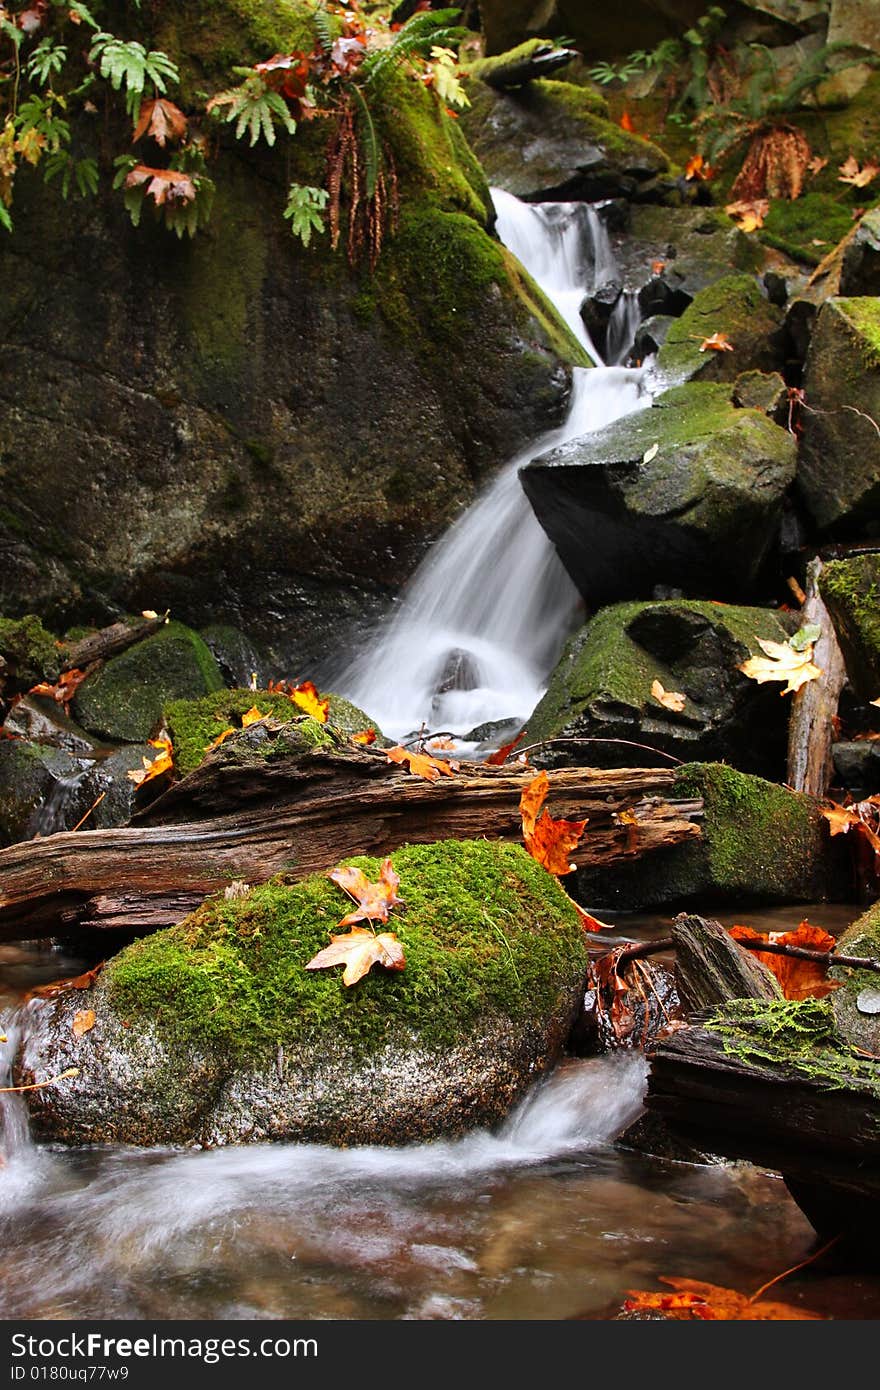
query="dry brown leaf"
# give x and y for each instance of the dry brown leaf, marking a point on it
(748, 215)
(422, 764)
(359, 950)
(849, 172)
(669, 699)
(83, 1021)
(162, 120)
(798, 979)
(781, 663)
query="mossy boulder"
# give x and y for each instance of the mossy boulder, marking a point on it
(806, 228)
(737, 307)
(687, 494)
(214, 1032)
(602, 688)
(547, 141)
(838, 472)
(194, 724)
(125, 698)
(252, 438)
(856, 1004)
(29, 774)
(760, 843)
(28, 653)
(851, 591)
(670, 254)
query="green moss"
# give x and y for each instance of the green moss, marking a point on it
(484, 929)
(851, 591)
(482, 70)
(30, 652)
(212, 37)
(432, 158)
(194, 724)
(755, 833)
(800, 1036)
(735, 306)
(864, 314)
(794, 226)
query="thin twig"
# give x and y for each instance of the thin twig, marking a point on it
(640, 949)
(811, 1259)
(38, 1085)
(574, 738)
(84, 818)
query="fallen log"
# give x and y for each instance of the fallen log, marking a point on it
(710, 968)
(110, 641)
(246, 814)
(814, 706)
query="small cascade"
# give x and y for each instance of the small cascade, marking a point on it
(15, 1141)
(55, 812)
(622, 326)
(482, 622)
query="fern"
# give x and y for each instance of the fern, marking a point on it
(47, 59)
(370, 143)
(83, 14)
(83, 173)
(305, 210)
(130, 66)
(38, 118)
(255, 108)
(323, 29)
(422, 32)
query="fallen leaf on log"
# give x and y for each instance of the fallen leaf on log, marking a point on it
(374, 900)
(366, 737)
(547, 840)
(798, 979)
(422, 764)
(359, 950)
(696, 1301)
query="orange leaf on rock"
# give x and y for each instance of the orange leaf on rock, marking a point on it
(697, 168)
(359, 950)
(161, 764)
(374, 900)
(64, 690)
(798, 979)
(306, 696)
(669, 699)
(749, 213)
(717, 342)
(694, 1300)
(422, 764)
(547, 840)
(83, 1021)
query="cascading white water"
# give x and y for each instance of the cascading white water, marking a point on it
(483, 620)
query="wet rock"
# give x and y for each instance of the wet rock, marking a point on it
(214, 1032)
(548, 142)
(651, 335)
(651, 999)
(650, 1134)
(670, 254)
(596, 312)
(42, 720)
(125, 698)
(857, 765)
(28, 652)
(760, 843)
(601, 33)
(764, 391)
(850, 590)
(737, 307)
(602, 688)
(29, 774)
(860, 270)
(236, 655)
(688, 493)
(837, 468)
(854, 1004)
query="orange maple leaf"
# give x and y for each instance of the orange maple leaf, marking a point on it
(718, 342)
(697, 168)
(547, 840)
(162, 763)
(306, 696)
(695, 1300)
(366, 736)
(798, 979)
(500, 756)
(221, 738)
(64, 689)
(359, 950)
(422, 764)
(374, 900)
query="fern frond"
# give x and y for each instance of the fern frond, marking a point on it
(372, 153)
(323, 29)
(424, 30)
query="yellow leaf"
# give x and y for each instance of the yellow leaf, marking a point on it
(748, 215)
(306, 696)
(359, 950)
(221, 738)
(781, 663)
(849, 172)
(669, 699)
(251, 716)
(83, 1021)
(156, 767)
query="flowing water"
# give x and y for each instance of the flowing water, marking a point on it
(482, 622)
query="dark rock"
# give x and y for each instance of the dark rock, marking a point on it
(860, 271)
(859, 1025)
(238, 658)
(763, 391)
(651, 1134)
(602, 688)
(601, 33)
(800, 319)
(736, 307)
(596, 312)
(688, 493)
(776, 286)
(29, 774)
(652, 998)
(40, 719)
(850, 590)
(711, 969)
(670, 254)
(857, 765)
(651, 335)
(837, 465)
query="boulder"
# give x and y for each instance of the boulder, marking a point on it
(547, 141)
(760, 843)
(670, 254)
(602, 689)
(851, 592)
(736, 307)
(214, 1032)
(687, 494)
(857, 766)
(838, 470)
(124, 699)
(856, 1003)
(860, 269)
(640, 24)
(28, 653)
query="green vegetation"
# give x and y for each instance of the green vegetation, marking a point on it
(798, 1035)
(30, 652)
(851, 590)
(484, 929)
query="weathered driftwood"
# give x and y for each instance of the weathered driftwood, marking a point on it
(814, 706)
(110, 641)
(301, 814)
(710, 968)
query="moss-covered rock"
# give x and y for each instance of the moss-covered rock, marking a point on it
(760, 843)
(688, 494)
(672, 253)
(545, 141)
(602, 688)
(194, 724)
(28, 652)
(292, 414)
(851, 591)
(125, 698)
(213, 1031)
(856, 1004)
(860, 267)
(736, 306)
(29, 774)
(534, 59)
(838, 474)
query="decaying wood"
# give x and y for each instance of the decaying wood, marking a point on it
(641, 950)
(814, 706)
(711, 969)
(110, 641)
(540, 63)
(301, 814)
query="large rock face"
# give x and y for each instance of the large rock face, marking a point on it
(736, 308)
(838, 470)
(686, 494)
(851, 591)
(214, 1032)
(601, 32)
(239, 428)
(602, 688)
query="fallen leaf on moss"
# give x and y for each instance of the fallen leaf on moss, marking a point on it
(717, 342)
(748, 214)
(422, 764)
(251, 716)
(669, 699)
(221, 738)
(374, 900)
(63, 691)
(306, 696)
(816, 164)
(359, 950)
(547, 840)
(850, 172)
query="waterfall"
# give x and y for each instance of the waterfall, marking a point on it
(482, 621)
(15, 1141)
